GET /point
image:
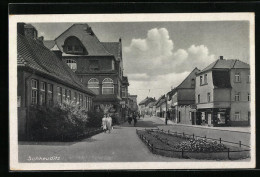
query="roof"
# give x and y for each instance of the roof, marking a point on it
(146, 100)
(226, 64)
(49, 43)
(34, 55)
(158, 102)
(113, 48)
(88, 39)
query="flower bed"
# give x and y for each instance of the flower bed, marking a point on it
(177, 145)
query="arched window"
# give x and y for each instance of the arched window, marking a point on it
(93, 84)
(72, 64)
(107, 86)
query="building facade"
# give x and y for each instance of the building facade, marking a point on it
(181, 100)
(223, 94)
(43, 79)
(99, 65)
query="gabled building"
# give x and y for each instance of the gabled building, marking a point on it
(99, 65)
(161, 106)
(223, 93)
(43, 78)
(181, 100)
(143, 105)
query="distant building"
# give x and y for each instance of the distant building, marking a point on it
(161, 106)
(43, 79)
(99, 65)
(223, 93)
(181, 100)
(133, 105)
(143, 105)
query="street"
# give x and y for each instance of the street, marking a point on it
(121, 145)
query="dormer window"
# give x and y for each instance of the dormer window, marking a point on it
(73, 45)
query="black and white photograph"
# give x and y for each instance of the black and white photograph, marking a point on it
(132, 91)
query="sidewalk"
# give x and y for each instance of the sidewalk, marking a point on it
(232, 134)
(235, 129)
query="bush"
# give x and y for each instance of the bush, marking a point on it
(95, 118)
(60, 122)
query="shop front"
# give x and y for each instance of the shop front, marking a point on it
(215, 117)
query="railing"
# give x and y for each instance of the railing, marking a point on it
(152, 148)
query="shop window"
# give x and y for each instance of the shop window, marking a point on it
(59, 94)
(237, 115)
(42, 100)
(221, 118)
(93, 84)
(237, 97)
(34, 96)
(237, 77)
(72, 64)
(107, 86)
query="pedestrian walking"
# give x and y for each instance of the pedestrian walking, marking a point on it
(104, 123)
(109, 123)
(130, 118)
(135, 118)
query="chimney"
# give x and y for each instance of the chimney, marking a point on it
(30, 31)
(221, 57)
(20, 28)
(40, 39)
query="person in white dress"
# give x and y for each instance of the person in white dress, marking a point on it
(104, 123)
(109, 123)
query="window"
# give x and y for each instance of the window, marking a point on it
(113, 65)
(198, 98)
(59, 94)
(34, 98)
(237, 77)
(75, 97)
(205, 79)
(93, 84)
(248, 97)
(69, 48)
(237, 115)
(107, 86)
(200, 80)
(69, 95)
(72, 64)
(93, 65)
(42, 100)
(248, 78)
(86, 103)
(208, 97)
(78, 48)
(50, 94)
(237, 97)
(123, 92)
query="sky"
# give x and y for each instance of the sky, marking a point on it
(157, 56)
